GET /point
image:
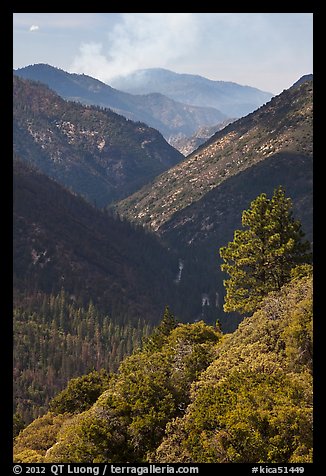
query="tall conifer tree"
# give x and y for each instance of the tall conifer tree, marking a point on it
(261, 256)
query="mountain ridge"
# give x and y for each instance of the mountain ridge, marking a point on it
(196, 205)
(231, 98)
(170, 117)
(94, 151)
(283, 124)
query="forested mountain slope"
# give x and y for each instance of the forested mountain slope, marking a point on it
(192, 395)
(62, 241)
(87, 288)
(197, 205)
(93, 151)
(254, 402)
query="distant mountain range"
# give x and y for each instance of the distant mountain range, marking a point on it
(94, 152)
(170, 117)
(186, 145)
(232, 99)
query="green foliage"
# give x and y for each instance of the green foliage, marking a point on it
(156, 340)
(147, 398)
(298, 336)
(250, 417)
(32, 443)
(302, 270)
(254, 401)
(28, 456)
(199, 398)
(262, 255)
(151, 388)
(88, 438)
(191, 348)
(81, 393)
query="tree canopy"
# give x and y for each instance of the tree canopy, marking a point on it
(263, 254)
(200, 397)
(254, 401)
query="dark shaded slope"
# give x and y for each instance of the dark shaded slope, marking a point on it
(197, 205)
(198, 231)
(220, 209)
(61, 241)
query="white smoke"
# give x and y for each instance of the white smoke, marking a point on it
(140, 40)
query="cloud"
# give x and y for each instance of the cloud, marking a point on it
(139, 40)
(258, 49)
(34, 28)
(58, 20)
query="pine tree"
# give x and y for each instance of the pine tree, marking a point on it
(155, 341)
(262, 255)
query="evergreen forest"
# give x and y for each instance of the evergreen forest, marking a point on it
(187, 392)
(162, 304)
(191, 394)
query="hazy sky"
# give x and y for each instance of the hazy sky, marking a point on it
(266, 50)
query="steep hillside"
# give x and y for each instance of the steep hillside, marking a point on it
(198, 231)
(232, 99)
(93, 151)
(218, 213)
(60, 241)
(171, 118)
(87, 288)
(284, 125)
(197, 205)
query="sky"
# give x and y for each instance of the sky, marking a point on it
(269, 51)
